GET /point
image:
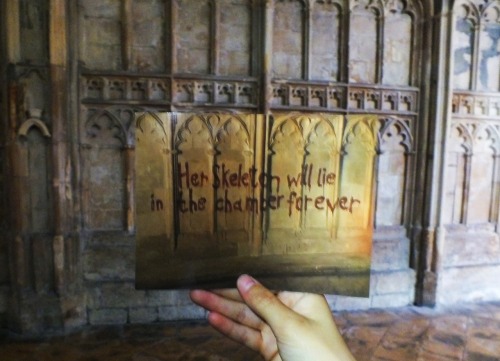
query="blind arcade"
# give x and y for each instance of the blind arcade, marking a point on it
(287, 198)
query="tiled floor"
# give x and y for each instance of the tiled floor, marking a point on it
(467, 333)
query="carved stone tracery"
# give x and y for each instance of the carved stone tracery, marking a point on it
(220, 58)
(473, 150)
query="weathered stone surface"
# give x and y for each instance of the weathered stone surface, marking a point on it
(397, 52)
(119, 295)
(392, 300)
(326, 21)
(4, 297)
(74, 312)
(489, 60)
(99, 54)
(108, 264)
(235, 38)
(96, 178)
(108, 316)
(192, 32)
(148, 23)
(391, 177)
(393, 282)
(34, 27)
(4, 270)
(168, 297)
(43, 263)
(100, 34)
(468, 284)
(387, 289)
(111, 238)
(106, 197)
(287, 40)
(188, 312)
(148, 38)
(471, 248)
(143, 315)
(106, 218)
(348, 303)
(390, 249)
(101, 8)
(148, 59)
(362, 55)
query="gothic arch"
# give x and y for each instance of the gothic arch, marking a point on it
(476, 55)
(141, 119)
(464, 134)
(36, 123)
(492, 138)
(403, 130)
(94, 127)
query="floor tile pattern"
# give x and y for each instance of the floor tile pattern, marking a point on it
(469, 333)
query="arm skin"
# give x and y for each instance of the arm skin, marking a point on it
(288, 326)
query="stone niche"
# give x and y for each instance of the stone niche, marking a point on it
(286, 198)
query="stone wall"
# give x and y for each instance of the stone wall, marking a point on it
(214, 53)
(470, 245)
(4, 261)
(71, 248)
(111, 297)
(4, 276)
(392, 282)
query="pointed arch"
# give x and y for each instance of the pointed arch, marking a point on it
(461, 137)
(106, 121)
(36, 123)
(395, 127)
(394, 165)
(477, 37)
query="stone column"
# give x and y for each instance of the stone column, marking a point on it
(434, 233)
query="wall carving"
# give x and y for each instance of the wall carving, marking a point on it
(107, 140)
(196, 79)
(476, 55)
(109, 88)
(206, 64)
(229, 193)
(467, 104)
(299, 52)
(296, 46)
(473, 159)
(395, 164)
(472, 194)
(280, 58)
(113, 89)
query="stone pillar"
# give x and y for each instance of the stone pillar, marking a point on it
(433, 235)
(38, 167)
(65, 245)
(268, 52)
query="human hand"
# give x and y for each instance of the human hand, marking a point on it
(289, 326)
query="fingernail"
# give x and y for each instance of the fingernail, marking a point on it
(245, 282)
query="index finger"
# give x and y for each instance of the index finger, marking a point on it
(229, 293)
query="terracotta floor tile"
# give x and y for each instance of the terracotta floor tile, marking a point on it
(363, 341)
(371, 318)
(472, 356)
(470, 333)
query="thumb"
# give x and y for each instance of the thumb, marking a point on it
(264, 303)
